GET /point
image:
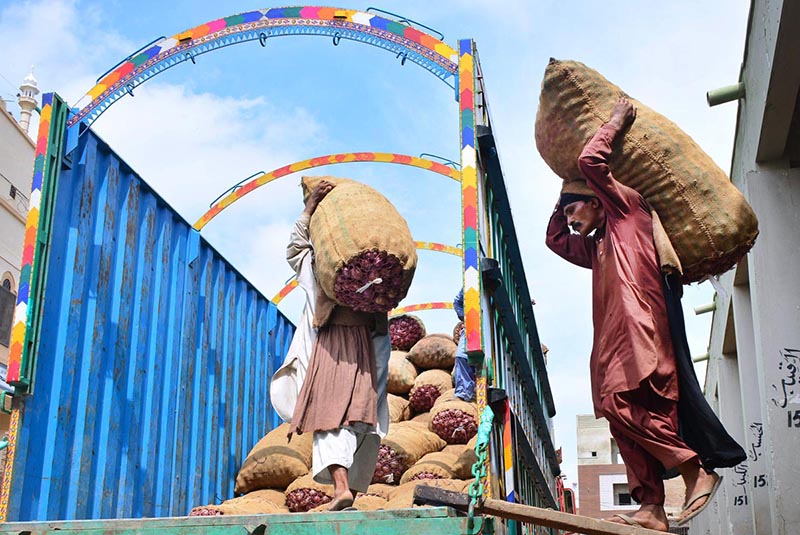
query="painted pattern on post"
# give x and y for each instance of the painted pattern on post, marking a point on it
(469, 197)
(29, 245)
(408, 42)
(329, 159)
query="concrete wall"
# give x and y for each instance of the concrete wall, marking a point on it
(754, 371)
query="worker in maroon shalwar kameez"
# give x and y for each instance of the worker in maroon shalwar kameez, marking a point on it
(633, 369)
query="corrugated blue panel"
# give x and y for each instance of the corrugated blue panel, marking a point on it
(152, 374)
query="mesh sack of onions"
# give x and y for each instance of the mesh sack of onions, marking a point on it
(458, 332)
(402, 374)
(405, 331)
(399, 410)
(454, 420)
(363, 251)
(404, 445)
(436, 465)
(305, 494)
(428, 386)
(435, 351)
(275, 461)
(258, 502)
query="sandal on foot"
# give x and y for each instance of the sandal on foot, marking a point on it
(628, 520)
(685, 516)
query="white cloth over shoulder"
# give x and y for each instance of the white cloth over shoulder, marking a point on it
(287, 381)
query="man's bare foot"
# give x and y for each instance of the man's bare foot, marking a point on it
(649, 516)
(341, 502)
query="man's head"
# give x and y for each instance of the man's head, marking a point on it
(581, 207)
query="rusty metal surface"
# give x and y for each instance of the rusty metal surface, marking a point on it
(153, 364)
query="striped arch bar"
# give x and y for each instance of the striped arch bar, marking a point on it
(440, 305)
(329, 159)
(406, 41)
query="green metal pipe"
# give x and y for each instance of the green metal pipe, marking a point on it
(701, 358)
(3, 443)
(725, 94)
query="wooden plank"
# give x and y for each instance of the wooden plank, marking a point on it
(525, 513)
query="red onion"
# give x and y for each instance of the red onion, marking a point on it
(425, 475)
(454, 426)
(389, 468)
(423, 397)
(362, 273)
(205, 511)
(302, 500)
(405, 331)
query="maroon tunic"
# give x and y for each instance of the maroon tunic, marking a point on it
(632, 342)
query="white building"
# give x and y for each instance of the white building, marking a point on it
(753, 377)
(16, 169)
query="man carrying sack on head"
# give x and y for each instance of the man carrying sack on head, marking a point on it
(634, 372)
(343, 395)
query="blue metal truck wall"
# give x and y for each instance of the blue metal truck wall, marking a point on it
(154, 357)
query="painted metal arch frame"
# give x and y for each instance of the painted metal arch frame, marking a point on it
(243, 188)
(404, 40)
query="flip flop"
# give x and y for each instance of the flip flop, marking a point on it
(628, 520)
(708, 494)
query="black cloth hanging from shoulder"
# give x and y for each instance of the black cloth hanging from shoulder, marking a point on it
(698, 425)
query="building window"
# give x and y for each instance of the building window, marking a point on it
(622, 495)
(616, 458)
(7, 302)
(594, 454)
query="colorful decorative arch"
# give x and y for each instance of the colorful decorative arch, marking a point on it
(430, 246)
(407, 42)
(440, 305)
(242, 189)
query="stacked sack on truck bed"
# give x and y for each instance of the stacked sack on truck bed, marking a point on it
(708, 221)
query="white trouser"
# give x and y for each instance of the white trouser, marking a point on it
(356, 447)
(356, 451)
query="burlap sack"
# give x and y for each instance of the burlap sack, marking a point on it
(274, 462)
(462, 468)
(258, 502)
(436, 465)
(353, 219)
(402, 374)
(458, 331)
(403, 497)
(405, 331)
(454, 420)
(411, 442)
(381, 489)
(305, 494)
(369, 502)
(707, 219)
(441, 379)
(435, 351)
(399, 410)
(428, 387)
(423, 418)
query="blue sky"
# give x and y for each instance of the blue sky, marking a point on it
(194, 130)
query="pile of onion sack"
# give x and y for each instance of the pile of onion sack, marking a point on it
(363, 251)
(431, 441)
